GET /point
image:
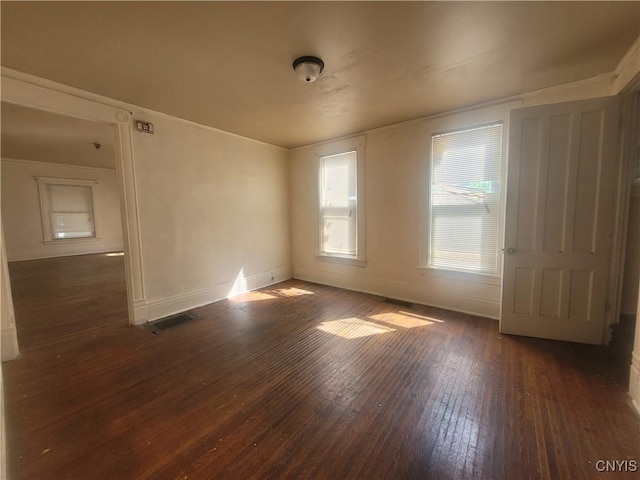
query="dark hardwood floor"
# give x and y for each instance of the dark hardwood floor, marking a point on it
(296, 381)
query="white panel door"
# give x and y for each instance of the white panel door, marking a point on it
(561, 183)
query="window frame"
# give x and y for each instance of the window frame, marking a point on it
(460, 122)
(43, 194)
(357, 145)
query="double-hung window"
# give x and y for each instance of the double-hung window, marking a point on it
(465, 200)
(68, 209)
(339, 201)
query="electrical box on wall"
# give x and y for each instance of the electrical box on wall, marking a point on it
(144, 127)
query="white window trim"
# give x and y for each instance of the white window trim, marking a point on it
(356, 144)
(461, 121)
(44, 208)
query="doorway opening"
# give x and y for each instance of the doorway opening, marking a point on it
(623, 333)
(63, 227)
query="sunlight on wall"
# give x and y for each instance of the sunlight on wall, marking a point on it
(239, 285)
(114, 254)
(405, 319)
(350, 328)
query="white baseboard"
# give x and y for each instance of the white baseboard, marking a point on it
(139, 312)
(18, 256)
(160, 308)
(410, 293)
(9, 344)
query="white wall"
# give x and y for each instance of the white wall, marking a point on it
(214, 213)
(206, 212)
(396, 172)
(21, 210)
(395, 177)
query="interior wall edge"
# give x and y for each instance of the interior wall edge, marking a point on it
(634, 380)
(627, 70)
(9, 349)
(3, 435)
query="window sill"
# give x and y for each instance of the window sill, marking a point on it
(341, 260)
(70, 240)
(461, 275)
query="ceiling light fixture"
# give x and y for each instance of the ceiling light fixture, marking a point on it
(308, 69)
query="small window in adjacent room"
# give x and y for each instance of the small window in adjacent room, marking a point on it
(68, 209)
(465, 200)
(340, 209)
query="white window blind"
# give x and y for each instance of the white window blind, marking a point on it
(70, 211)
(465, 199)
(338, 204)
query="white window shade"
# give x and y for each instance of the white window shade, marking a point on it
(338, 204)
(465, 199)
(68, 209)
(71, 211)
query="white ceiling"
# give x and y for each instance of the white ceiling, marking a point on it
(29, 134)
(228, 64)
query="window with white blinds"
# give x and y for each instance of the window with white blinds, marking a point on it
(338, 192)
(465, 199)
(71, 211)
(67, 207)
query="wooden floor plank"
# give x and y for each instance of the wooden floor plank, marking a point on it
(296, 380)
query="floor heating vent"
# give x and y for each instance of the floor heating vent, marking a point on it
(400, 303)
(170, 322)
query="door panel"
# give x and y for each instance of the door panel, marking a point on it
(561, 183)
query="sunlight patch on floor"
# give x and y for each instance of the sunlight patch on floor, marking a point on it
(252, 297)
(240, 291)
(350, 328)
(405, 319)
(294, 292)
